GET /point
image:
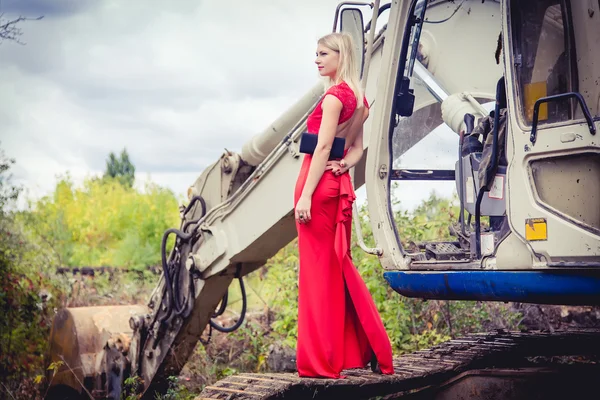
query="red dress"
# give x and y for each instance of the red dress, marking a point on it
(339, 326)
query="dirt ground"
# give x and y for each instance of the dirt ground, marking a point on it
(549, 317)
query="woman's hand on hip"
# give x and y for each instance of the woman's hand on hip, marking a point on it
(337, 167)
(303, 209)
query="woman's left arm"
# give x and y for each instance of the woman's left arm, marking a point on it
(332, 107)
(355, 152)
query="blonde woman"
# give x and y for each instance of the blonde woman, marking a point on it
(338, 324)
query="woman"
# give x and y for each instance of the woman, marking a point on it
(338, 324)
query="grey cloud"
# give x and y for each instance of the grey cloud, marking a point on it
(172, 158)
(118, 100)
(43, 51)
(50, 8)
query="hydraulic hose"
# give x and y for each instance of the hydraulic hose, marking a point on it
(173, 301)
(192, 202)
(184, 236)
(232, 328)
(223, 306)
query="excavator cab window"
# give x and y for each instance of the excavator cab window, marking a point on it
(543, 61)
(544, 58)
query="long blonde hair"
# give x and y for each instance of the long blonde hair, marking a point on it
(347, 66)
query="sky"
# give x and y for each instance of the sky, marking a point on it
(174, 82)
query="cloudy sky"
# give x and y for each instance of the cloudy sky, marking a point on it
(175, 82)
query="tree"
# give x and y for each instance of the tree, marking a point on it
(8, 192)
(10, 30)
(120, 168)
(24, 324)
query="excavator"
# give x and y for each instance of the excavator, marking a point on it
(519, 83)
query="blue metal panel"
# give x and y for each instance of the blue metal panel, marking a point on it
(552, 287)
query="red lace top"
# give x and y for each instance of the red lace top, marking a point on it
(343, 92)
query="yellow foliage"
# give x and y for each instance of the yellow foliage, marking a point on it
(104, 222)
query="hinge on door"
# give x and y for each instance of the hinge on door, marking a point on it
(518, 60)
(383, 171)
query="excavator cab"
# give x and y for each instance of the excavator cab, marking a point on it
(527, 169)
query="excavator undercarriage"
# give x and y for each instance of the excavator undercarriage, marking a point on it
(492, 366)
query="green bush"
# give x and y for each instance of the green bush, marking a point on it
(25, 298)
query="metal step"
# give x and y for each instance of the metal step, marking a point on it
(445, 251)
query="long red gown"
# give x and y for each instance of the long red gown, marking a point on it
(339, 326)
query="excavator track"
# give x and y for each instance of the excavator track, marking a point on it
(419, 374)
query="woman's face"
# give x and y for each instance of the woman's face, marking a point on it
(327, 61)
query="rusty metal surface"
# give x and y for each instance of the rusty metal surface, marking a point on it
(78, 337)
(422, 370)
